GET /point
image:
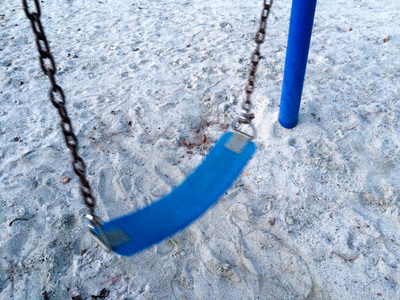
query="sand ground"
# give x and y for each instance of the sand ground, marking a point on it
(315, 214)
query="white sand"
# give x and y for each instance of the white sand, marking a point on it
(331, 184)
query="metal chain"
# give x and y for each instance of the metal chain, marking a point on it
(247, 115)
(57, 97)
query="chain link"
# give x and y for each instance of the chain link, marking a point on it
(247, 115)
(57, 97)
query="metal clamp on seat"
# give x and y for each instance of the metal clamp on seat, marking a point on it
(244, 119)
(95, 226)
(107, 239)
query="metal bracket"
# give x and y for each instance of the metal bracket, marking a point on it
(237, 142)
(235, 126)
(95, 228)
(106, 239)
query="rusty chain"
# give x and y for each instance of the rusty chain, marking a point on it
(57, 97)
(247, 115)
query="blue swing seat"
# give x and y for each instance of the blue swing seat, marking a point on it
(141, 229)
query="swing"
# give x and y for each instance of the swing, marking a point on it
(141, 229)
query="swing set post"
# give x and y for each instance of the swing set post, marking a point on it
(300, 30)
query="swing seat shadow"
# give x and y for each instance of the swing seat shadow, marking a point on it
(139, 230)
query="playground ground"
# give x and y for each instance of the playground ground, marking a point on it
(150, 86)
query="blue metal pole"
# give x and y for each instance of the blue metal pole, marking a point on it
(300, 29)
